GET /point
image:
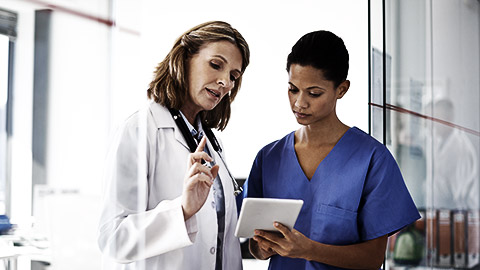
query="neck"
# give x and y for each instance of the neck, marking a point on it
(190, 114)
(321, 133)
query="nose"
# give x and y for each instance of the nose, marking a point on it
(301, 101)
(224, 80)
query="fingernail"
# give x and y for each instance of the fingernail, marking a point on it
(275, 224)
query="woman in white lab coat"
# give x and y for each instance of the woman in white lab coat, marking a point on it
(163, 208)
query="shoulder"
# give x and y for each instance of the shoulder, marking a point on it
(134, 121)
(129, 125)
(160, 116)
(367, 144)
(139, 122)
(365, 139)
(276, 147)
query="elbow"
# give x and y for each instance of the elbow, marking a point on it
(378, 252)
(118, 255)
(113, 250)
(377, 264)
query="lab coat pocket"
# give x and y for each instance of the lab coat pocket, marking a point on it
(334, 225)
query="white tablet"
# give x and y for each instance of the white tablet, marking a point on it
(260, 213)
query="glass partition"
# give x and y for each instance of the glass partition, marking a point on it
(425, 99)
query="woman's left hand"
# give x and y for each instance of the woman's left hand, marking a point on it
(289, 243)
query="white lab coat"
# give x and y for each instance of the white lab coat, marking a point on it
(455, 174)
(142, 224)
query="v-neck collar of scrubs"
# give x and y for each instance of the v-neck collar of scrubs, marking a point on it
(291, 146)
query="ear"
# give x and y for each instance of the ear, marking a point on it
(343, 88)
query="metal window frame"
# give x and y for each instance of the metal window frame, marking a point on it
(8, 27)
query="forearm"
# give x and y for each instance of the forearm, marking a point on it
(146, 234)
(366, 255)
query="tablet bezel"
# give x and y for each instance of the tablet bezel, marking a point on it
(261, 213)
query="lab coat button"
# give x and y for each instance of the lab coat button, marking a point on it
(213, 204)
(212, 250)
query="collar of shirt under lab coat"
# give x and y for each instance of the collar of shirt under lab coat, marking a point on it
(192, 129)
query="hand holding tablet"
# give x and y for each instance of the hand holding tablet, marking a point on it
(261, 213)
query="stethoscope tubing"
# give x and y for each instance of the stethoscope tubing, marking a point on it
(177, 117)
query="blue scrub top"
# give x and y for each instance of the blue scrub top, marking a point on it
(356, 194)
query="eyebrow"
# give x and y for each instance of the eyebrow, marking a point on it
(310, 87)
(226, 61)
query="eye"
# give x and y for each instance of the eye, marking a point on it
(315, 94)
(293, 90)
(214, 65)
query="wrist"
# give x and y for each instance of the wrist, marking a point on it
(186, 215)
(264, 254)
(309, 250)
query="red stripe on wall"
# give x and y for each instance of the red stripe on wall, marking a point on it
(83, 15)
(403, 110)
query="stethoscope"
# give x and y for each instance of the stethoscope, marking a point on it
(192, 144)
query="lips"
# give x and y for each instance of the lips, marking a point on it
(300, 115)
(213, 92)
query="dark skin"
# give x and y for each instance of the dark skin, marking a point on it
(313, 102)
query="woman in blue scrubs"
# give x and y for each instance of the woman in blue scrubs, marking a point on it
(353, 192)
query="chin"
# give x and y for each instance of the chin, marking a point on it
(209, 107)
(302, 122)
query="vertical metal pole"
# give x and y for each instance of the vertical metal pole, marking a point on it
(9, 128)
(41, 75)
(384, 73)
(369, 68)
(384, 92)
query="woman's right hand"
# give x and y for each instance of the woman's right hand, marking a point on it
(198, 180)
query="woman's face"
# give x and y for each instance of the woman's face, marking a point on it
(312, 98)
(212, 73)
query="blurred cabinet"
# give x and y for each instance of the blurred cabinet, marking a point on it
(425, 107)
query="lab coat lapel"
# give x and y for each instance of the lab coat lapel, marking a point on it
(179, 137)
(163, 119)
(226, 180)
